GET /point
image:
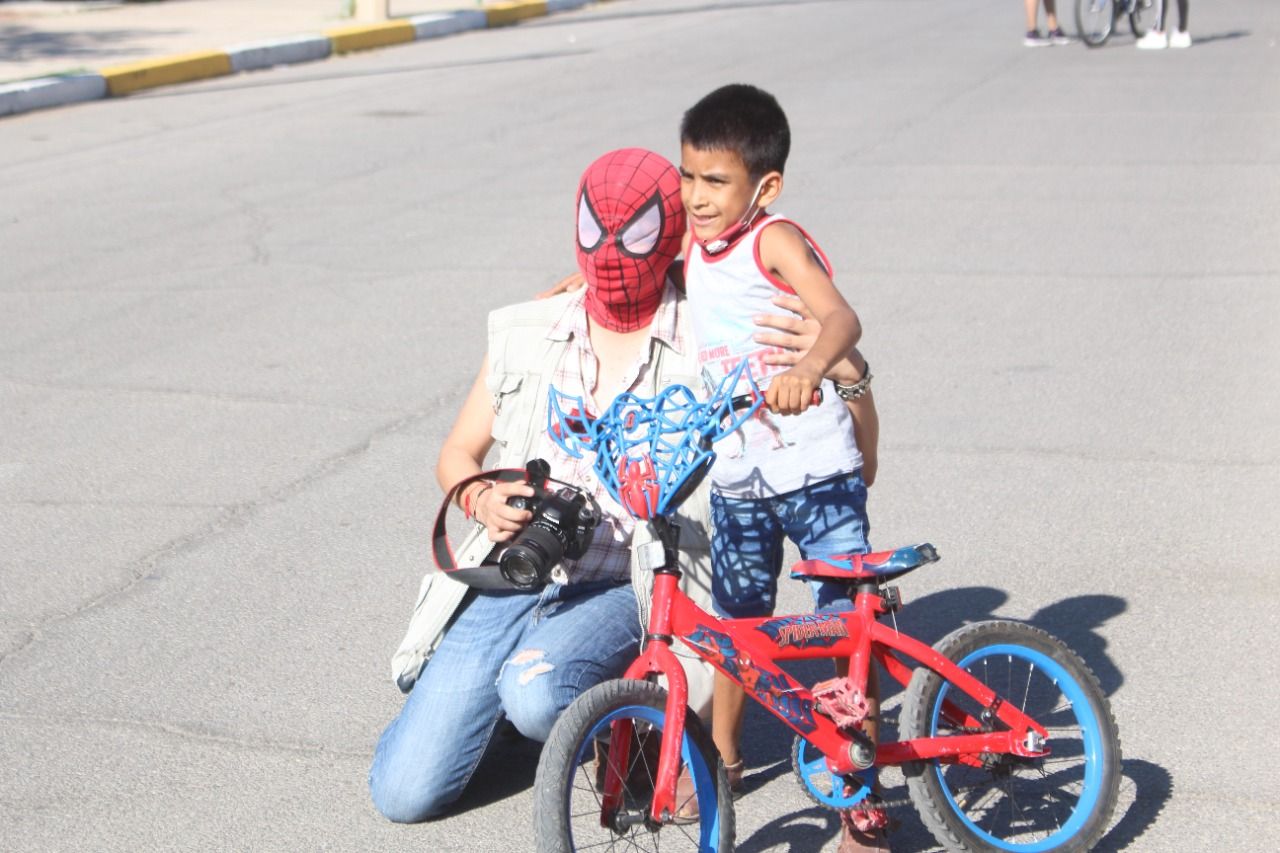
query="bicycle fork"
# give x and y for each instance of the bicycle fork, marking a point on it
(656, 659)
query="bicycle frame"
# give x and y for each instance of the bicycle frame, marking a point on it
(747, 650)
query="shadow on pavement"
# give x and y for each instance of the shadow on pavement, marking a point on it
(1197, 39)
(1074, 621)
(1144, 790)
(508, 768)
(19, 43)
(797, 832)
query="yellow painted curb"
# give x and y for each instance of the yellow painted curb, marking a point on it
(501, 14)
(123, 79)
(366, 36)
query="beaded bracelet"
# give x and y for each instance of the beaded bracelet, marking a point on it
(466, 500)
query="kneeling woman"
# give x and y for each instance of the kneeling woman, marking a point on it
(528, 655)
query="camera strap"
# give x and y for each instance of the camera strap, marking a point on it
(485, 574)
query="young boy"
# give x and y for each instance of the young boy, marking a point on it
(800, 476)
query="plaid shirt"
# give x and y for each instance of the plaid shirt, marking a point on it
(609, 556)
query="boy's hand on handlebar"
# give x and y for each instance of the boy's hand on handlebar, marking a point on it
(791, 393)
(502, 521)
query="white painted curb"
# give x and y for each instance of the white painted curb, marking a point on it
(435, 26)
(255, 56)
(50, 92)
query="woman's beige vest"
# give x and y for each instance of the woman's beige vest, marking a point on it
(522, 361)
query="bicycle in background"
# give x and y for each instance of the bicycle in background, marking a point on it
(1096, 19)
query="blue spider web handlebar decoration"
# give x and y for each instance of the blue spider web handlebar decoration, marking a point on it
(647, 449)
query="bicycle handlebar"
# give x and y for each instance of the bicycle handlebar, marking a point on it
(578, 425)
(651, 452)
(743, 401)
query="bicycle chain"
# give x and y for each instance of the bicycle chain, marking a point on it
(904, 802)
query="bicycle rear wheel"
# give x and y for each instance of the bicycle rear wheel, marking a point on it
(568, 810)
(1095, 20)
(1143, 17)
(1061, 802)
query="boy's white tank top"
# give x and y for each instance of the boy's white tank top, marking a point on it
(771, 454)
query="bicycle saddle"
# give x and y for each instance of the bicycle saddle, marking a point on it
(881, 565)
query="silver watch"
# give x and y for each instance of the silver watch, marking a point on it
(857, 389)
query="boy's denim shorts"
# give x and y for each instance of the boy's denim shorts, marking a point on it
(824, 519)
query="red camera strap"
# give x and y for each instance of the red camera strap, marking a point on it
(441, 550)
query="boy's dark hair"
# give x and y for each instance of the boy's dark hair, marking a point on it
(742, 119)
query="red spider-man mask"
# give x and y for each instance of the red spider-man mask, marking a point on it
(630, 222)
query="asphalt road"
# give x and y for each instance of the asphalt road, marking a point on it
(236, 319)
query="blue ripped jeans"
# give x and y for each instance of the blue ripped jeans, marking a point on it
(525, 655)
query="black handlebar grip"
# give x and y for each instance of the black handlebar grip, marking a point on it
(743, 401)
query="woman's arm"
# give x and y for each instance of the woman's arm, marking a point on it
(462, 456)
(866, 432)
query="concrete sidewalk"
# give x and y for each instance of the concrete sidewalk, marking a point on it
(38, 39)
(97, 48)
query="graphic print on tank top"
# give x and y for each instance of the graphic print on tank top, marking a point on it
(771, 454)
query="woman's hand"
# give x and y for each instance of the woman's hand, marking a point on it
(501, 520)
(794, 331)
(568, 284)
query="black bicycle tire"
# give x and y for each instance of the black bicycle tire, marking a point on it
(1136, 25)
(1088, 37)
(936, 808)
(557, 767)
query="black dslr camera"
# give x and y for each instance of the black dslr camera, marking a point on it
(563, 523)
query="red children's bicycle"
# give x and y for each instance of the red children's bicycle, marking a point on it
(1006, 739)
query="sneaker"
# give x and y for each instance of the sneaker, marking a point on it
(1034, 39)
(1154, 40)
(1059, 37)
(1179, 39)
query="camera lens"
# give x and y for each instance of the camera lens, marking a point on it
(519, 568)
(530, 558)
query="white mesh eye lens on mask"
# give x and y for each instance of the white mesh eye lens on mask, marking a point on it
(589, 230)
(641, 234)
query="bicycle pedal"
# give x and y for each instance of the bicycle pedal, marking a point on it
(843, 703)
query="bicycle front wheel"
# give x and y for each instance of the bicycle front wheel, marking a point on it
(1143, 17)
(1095, 19)
(1060, 802)
(568, 810)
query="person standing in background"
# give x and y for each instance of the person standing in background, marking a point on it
(1055, 34)
(1157, 39)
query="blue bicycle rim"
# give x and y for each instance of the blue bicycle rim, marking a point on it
(704, 782)
(1090, 733)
